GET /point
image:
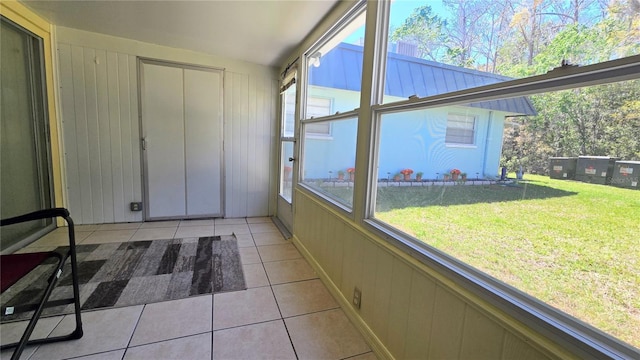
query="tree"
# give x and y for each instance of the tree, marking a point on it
(426, 30)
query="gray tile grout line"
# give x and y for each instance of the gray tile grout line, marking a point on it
(353, 356)
(134, 330)
(275, 299)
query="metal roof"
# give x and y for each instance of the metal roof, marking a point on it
(406, 76)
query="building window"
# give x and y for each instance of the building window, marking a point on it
(318, 107)
(460, 129)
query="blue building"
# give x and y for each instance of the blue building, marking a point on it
(467, 137)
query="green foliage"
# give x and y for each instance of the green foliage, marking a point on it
(425, 29)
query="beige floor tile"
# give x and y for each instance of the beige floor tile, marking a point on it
(59, 237)
(154, 234)
(160, 224)
(87, 227)
(366, 356)
(191, 347)
(257, 220)
(230, 221)
(194, 231)
(269, 238)
(278, 252)
(104, 330)
(255, 276)
(259, 341)
(32, 249)
(108, 236)
(119, 226)
(172, 319)
(232, 229)
(245, 240)
(202, 222)
(285, 271)
(303, 297)
(26, 353)
(109, 355)
(249, 255)
(244, 307)
(263, 228)
(12, 332)
(325, 335)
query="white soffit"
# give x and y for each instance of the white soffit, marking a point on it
(261, 32)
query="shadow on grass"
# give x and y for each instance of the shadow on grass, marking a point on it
(390, 198)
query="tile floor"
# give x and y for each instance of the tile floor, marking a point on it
(285, 313)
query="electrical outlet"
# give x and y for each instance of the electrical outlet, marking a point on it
(357, 297)
(135, 206)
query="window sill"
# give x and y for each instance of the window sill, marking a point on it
(462, 146)
(318, 137)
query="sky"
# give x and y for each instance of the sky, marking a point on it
(400, 10)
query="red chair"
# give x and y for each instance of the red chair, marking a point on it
(13, 267)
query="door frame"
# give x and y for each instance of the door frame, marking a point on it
(284, 208)
(143, 158)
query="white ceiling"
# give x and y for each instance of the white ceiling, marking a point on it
(262, 32)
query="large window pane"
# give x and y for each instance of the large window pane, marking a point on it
(329, 163)
(335, 69)
(561, 223)
(429, 41)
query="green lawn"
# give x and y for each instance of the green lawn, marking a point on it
(573, 245)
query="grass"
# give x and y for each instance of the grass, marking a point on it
(575, 246)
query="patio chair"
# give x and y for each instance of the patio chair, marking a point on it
(13, 267)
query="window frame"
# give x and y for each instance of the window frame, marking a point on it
(332, 202)
(474, 130)
(357, 10)
(321, 135)
(581, 338)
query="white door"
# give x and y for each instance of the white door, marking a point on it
(181, 116)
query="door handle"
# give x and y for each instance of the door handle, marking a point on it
(144, 143)
(292, 159)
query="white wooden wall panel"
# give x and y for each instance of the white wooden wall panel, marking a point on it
(134, 140)
(398, 306)
(249, 134)
(115, 140)
(101, 132)
(420, 316)
(82, 140)
(93, 134)
(447, 325)
(104, 129)
(411, 313)
(68, 120)
(482, 338)
(99, 107)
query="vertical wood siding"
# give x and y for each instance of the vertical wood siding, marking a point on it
(100, 133)
(99, 107)
(249, 133)
(414, 315)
